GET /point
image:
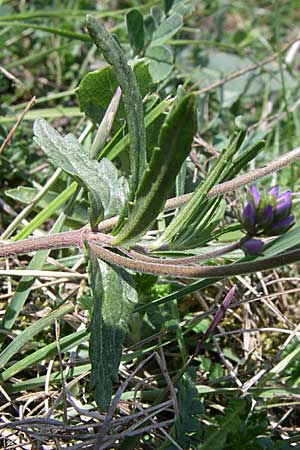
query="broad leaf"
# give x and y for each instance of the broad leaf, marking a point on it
(97, 88)
(135, 30)
(161, 62)
(175, 142)
(99, 178)
(114, 298)
(167, 29)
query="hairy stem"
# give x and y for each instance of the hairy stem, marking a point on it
(223, 188)
(185, 271)
(74, 238)
(66, 239)
(187, 260)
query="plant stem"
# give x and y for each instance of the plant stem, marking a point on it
(188, 260)
(74, 239)
(223, 188)
(185, 271)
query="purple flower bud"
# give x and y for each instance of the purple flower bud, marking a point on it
(255, 195)
(274, 191)
(252, 246)
(283, 208)
(282, 225)
(248, 217)
(284, 197)
(267, 214)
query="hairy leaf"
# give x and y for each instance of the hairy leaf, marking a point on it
(132, 98)
(114, 298)
(175, 142)
(99, 178)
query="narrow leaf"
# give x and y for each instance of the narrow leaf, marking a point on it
(23, 338)
(114, 298)
(114, 55)
(175, 142)
(46, 352)
(99, 178)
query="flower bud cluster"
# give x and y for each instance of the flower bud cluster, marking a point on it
(265, 215)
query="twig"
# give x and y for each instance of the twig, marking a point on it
(245, 70)
(14, 128)
(10, 76)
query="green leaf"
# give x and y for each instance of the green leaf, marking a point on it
(25, 195)
(51, 209)
(97, 88)
(132, 98)
(149, 25)
(99, 178)
(175, 142)
(184, 7)
(167, 29)
(114, 147)
(135, 30)
(161, 62)
(235, 416)
(114, 298)
(190, 407)
(191, 213)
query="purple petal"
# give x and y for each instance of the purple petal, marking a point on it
(284, 197)
(274, 191)
(249, 216)
(267, 214)
(252, 246)
(283, 207)
(282, 224)
(255, 195)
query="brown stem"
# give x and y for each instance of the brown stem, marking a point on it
(66, 239)
(188, 260)
(223, 188)
(74, 238)
(184, 271)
